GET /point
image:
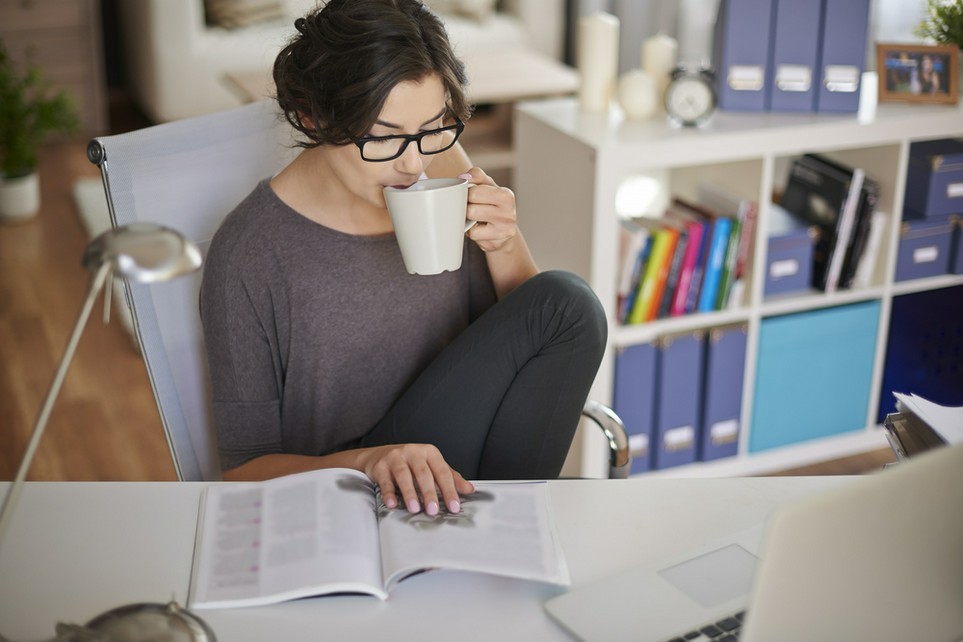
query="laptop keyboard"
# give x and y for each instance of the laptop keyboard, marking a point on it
(723, 630)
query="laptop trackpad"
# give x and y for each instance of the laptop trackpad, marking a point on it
(716, 577)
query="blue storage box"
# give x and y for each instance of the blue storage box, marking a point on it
(789, 256)
(924, 249)
(678, 405)
(813, 377)
(633, 400)
(934, 179)
(725, 367)
(956, 255)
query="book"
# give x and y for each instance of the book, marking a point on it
(695, 232)
(712, 275)
(642, 260)
(675, 273)
(867, 262)
(857, 245)
(327, 531)
(709, 217)
(748, 213)
(652, 284)
(742, 211)
(692, 299)
(844, 230)
(822, 192)
(633, 251)
(729, 265)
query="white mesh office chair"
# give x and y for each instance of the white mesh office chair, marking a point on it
(188, 175)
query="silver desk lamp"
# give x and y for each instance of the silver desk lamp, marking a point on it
(146, 253)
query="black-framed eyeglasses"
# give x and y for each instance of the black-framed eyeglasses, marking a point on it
(378, 149)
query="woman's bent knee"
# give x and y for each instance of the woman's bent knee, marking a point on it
(571, 294)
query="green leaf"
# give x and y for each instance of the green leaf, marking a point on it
(30, 110)
(943, 22)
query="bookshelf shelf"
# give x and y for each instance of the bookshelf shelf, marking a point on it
(570, 165)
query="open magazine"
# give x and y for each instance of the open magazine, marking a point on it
(328, 531)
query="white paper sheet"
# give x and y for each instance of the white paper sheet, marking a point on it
(947, 421)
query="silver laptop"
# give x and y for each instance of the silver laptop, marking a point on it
(877, 559)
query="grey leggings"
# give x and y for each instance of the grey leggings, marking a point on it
(502, 401)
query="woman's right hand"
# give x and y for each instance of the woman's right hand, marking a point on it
(415, 470)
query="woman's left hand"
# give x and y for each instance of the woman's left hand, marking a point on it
(493, 208)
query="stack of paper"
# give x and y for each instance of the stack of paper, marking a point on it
(921, 425)
(946, 421)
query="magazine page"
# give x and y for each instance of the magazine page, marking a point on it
(295, 536)
(502, 528)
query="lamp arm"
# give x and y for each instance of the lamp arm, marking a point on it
(96, 283)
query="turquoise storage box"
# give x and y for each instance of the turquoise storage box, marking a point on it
(813, 375)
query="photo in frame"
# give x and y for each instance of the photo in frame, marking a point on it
(918, 73)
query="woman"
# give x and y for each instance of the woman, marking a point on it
(929, 78)
(323, 350)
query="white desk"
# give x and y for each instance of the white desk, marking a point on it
(75, 550)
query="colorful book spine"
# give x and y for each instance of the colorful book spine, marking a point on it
(698, 273)
(641, 261)
(713, 268)
(656, 272)
(729, 265)
(687, 272)
(633, 238)
(675, 272)
(748, 213)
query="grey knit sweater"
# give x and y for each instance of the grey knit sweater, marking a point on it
(312, 334)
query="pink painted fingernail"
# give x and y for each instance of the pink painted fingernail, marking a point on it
(466, 176)
(413, 506)
(431, 508)
(454, 506)
(391, 502)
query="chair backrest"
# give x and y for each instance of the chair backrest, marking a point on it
(187, 175)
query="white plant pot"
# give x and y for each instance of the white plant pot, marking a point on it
(19, 198)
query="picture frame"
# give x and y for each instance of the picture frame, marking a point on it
(918, 73)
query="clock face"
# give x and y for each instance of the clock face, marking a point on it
(689, 100)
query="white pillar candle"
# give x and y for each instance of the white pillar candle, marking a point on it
(597, 59)
(639, 94)
(660, 55)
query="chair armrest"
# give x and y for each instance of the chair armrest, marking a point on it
(620, 458)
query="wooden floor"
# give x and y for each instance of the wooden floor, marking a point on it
(104, 425)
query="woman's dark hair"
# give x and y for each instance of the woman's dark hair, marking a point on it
(335, 74)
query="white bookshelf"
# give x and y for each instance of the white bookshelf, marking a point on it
(570, 164)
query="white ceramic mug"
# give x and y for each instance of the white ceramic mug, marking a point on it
(430, 222)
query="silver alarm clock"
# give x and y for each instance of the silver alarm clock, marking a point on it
(690, 96)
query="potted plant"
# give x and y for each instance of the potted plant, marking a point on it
(943, 22)
(30, 110)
